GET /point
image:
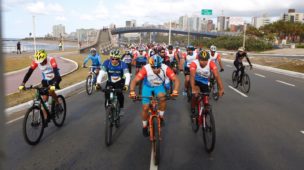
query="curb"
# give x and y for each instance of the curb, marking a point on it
(66, 91)
(274, 70)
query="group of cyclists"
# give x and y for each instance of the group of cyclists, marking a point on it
(156, 67)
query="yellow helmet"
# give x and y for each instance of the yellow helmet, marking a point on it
(40, 56)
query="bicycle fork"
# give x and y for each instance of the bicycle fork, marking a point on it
(151, 128)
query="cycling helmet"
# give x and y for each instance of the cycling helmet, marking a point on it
(170, 47)
(115, 53)
(213, 48)
(190, 48)
(40, 56)
(203, 55)
(241, 49)
(93, 50)
(155, 61)
(152, 53)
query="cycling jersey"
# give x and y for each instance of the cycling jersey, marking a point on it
(115, 73)
(127, 58)
(151, 79)
(171, 56)
(202, 74)
(96, 61)
(239, 57)
(189, 59)
(215, 57)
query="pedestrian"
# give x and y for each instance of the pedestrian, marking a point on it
(18, 47)
(60, 46)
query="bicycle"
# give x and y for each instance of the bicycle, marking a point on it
(203, 117)
(112, 113)
(34, 115)
(154, 125)
(91, 79)
(245, 80)
(213, 87)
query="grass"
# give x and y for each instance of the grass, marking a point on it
(16, 63)
(75, 77)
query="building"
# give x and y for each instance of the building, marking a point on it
(293, 16)
(258, 22)
(222, 23)
(210, 26)
(131, 23)
(88, 35)
(58, 31)
(183, 23)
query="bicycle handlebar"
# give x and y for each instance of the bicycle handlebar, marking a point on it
(112, 90)
(139, 98)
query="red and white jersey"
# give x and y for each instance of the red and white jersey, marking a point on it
(202, 74)
(47, 69)
(151, 79)
(171, 56)
(189, 58)
(215, 57)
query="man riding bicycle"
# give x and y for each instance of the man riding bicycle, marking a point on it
(140, 59)
(239, 56)
(173, 59)
(153, 76)
(185, 62)
(118, 76)
(50, 75)
(215, 56)
(200, 70)
(127, 57)
(96, 60)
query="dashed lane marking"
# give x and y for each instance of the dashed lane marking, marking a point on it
(285, 83)
(152, 166)
(244, 95)
(14, 120)
(260, 75)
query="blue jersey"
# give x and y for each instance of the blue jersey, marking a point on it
(141, 59)
(115, 73)
(96, 61)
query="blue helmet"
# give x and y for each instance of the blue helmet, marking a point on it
(190, 48)
(155, 61)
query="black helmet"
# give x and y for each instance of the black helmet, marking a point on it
(170, 47)
(203, 55)
(190, 48)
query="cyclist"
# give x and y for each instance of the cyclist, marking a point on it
(162, 53)
(200, 70)
(50, 75)
(239, 64)
(96, 60)
(186, 61)
(118, 76)
(153, 76)
(215, 56)
(127, 58)
(173, 59)
(140, 59)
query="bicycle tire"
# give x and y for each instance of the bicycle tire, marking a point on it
(234, 79)
(117, 116)
(246, 83)
(215, 95)
(56, 117)
(40, 123)
(108, 126)
(89, 84)
(209, 130)
(156, 141)
(194, 120)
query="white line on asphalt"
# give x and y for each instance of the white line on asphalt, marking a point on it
(152, 166)
(302, 131)
(14, 120)
(228, 65)
(238, 91)
(81, 92)
(260, 75)
(285, 83)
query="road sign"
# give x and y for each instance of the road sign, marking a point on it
(206, 12)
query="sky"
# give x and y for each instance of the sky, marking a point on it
(17, 15)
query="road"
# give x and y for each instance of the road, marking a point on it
(12, 81)
(264, 130)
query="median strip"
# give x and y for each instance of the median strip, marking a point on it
(286, 83)
(244, 95)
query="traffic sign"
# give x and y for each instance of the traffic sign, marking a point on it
(206, 12)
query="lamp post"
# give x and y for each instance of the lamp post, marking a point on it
(169, 33)
(34, 33)
(244, 37)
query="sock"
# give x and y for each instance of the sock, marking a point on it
(144, 123)
(161, 113)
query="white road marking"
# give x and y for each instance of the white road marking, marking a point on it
(302, 131)
(152, 166)
(285, 83)
(14, 120)
(260, 75)
(228, 65)
(238, 91)
(81, 92)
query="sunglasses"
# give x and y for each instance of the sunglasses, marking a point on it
(162, 52)
(115, 58)
(155, 67)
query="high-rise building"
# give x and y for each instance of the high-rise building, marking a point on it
(131, 23)
(293, 16)
(210, 26)
(183, 22)
(258, 22)
(194, 23)
(58, 31)
(222, 23)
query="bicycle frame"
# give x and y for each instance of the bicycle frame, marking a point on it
(154, 113)
(38, 101)
(203, 101)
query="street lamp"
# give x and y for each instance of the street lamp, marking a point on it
(34, 33)
(244, 37)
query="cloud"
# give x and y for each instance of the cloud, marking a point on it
(8, 5)
(60, 18)
(40, 8)
(100, 12)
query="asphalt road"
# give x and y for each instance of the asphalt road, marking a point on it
(260, 131)
(13, 81)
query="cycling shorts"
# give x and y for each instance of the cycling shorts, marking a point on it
(147, 91)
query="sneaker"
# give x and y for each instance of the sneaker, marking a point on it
(97, 87)
(145, 131)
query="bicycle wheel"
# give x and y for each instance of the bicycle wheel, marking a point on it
(215, 90)
(194, 120)
(109, 126)
(59, 111)
(209, 130)
(246, 83)
(89, 84)
(33, 120)
(156, 141)
(234, 79)
(117, 116)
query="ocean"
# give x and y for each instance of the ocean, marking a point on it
(9, 45)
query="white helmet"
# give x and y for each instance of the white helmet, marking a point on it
(213, 48)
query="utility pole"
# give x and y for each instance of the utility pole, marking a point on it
(170, 33)
(244, 38)
(188, 30)
(34, 33)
